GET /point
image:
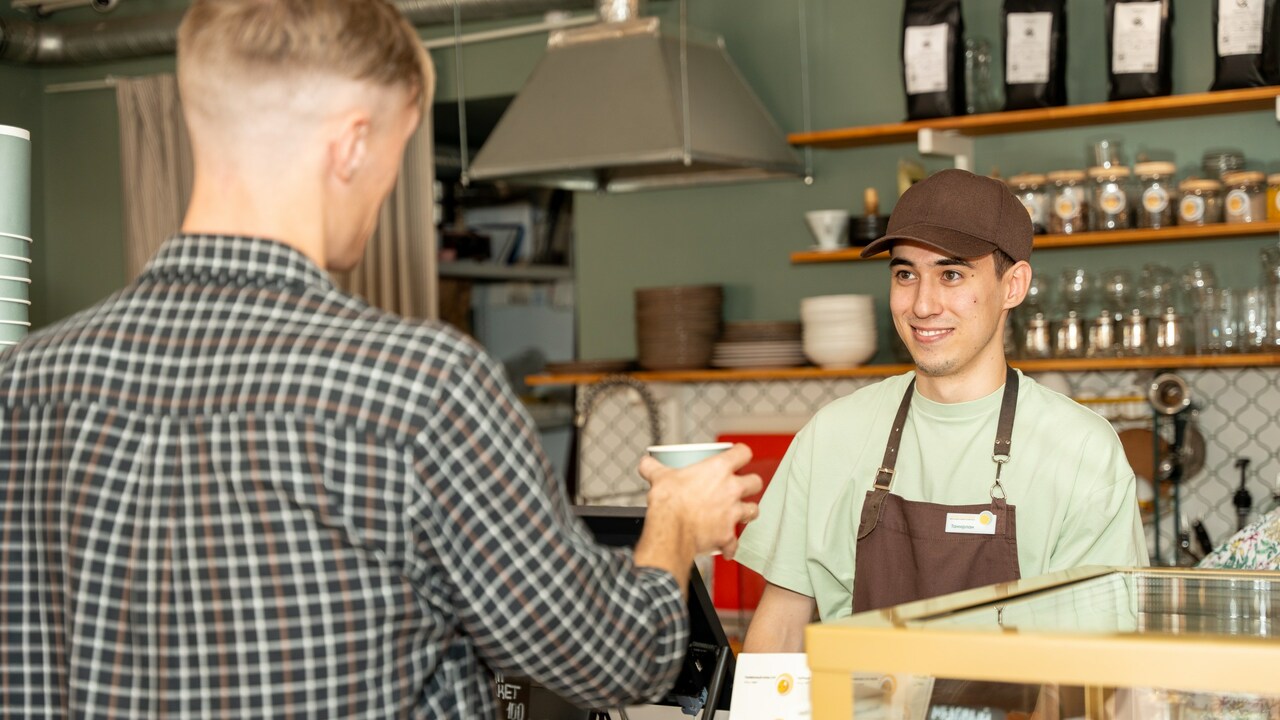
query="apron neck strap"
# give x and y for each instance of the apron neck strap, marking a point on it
(1004, 430)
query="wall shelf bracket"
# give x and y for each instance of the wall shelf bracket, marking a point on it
(949, 143)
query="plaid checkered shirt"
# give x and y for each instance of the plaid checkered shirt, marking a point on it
(232, 490)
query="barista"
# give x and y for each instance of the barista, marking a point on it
(961, 473)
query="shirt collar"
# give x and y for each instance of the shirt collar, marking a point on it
(234, 260)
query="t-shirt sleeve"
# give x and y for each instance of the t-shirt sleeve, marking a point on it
(534, 593)
(774, 544)
(1102, 526)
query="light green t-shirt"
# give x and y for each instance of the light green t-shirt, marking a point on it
(1067, 477)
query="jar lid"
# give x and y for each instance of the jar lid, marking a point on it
(1066, 176)
(1115, 171)
(1273, 179)
(1200, 184)
(1244, 176)
(1155, 168)
(1027, 179)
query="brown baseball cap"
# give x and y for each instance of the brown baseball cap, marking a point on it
(960, 214)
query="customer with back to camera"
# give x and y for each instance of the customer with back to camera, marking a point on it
(907, 488)
(233, 490)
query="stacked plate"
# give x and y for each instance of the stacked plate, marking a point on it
(677, 327)
(15, 231)
(759, 344)
(839, 330)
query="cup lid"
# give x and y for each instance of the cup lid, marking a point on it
(1200, 184)
(1066, 175)
(1027, 179)
(1243, 176)
(1118, 171)
(1155, 167)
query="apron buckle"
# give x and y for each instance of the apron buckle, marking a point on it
(997, 486)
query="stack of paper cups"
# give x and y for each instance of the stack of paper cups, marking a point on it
(15, 234)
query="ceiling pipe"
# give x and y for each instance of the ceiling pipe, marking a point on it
(43, 43)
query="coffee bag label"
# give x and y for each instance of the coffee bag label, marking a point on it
(1028, 51)
(925, 57)
(1136, 46)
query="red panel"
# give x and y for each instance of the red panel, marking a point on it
(734, 586)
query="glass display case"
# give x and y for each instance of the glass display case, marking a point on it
(1085, 643)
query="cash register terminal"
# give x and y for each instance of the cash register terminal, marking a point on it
(706, 679)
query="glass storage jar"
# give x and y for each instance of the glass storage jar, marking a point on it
(1246, 199)
(1157, 194)
(1110, 202)
(1201, 202)
(1031, 191)
(1070, 202)
(1273, 197)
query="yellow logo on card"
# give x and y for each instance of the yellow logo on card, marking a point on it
(785, 683)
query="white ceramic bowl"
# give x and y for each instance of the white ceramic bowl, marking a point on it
(837, 301)
(840, 356)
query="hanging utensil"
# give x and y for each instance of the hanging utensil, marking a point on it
(1242, 499)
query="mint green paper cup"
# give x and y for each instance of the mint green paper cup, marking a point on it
(15, 288)
(15, 181)
(12, 331)
(678, 456)
(15, 310)
(15, 246)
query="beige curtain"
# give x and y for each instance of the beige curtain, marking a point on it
(155, 157)
(398, 272)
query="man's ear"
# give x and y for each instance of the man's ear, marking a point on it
(1017, 280)
(351, 147)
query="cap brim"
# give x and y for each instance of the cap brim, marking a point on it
(944, 239)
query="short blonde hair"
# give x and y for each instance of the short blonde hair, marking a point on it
(362, 40)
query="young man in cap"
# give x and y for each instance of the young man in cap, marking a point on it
(233, 490)
(959, 474)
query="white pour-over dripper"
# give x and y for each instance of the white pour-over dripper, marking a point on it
(829, 227)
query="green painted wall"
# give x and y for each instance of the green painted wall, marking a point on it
(738, 235)
(741, 235)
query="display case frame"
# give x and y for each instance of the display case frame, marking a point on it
(902, 641)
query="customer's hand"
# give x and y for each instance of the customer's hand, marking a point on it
(696, 509)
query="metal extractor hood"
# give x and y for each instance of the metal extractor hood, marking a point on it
(618, 106)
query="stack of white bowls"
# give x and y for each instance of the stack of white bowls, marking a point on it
(15, 235)
(839, 330)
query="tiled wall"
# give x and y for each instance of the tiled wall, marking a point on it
(1238, 413)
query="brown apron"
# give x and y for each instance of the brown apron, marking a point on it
(905, 551)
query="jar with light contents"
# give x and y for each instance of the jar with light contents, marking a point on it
(1246, 197)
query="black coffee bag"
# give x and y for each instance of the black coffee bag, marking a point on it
(1035, 53)
(1247, 42)
(933, 58)
(1139, 48)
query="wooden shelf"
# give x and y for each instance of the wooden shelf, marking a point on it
(1173, 362)
(486, 271)
(1161, 108)
(1110, 237)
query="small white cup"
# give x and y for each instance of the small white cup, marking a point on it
(678, 456)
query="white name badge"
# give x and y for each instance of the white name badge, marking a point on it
(983, 523)
(771, 686)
